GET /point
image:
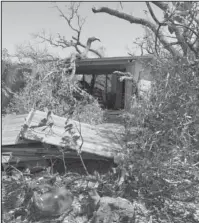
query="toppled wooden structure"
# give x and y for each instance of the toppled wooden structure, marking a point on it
(39, 135)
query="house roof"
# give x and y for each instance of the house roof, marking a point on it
(107, 65)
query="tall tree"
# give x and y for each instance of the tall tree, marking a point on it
(76, 23)
(180, 19)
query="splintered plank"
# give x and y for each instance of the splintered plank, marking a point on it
(11, 128)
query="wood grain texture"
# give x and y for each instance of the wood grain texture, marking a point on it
(11, 128)
(99, 142)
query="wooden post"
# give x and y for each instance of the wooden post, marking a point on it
(106, 89)
(128, 87)
(118, 103)
(83, 81)
(113, 90)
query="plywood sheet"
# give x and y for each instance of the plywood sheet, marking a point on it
(96, 141)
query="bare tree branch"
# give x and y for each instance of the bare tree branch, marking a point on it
(178, 18)
(91, 50)
(74, 12)
(75, 42)
(139, 21)
(161, 5)
(67, 66)
(187, 27)
(180, 29)
(35, 54)
(61, 42)
(152, 13)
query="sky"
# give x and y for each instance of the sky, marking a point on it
(21, 19)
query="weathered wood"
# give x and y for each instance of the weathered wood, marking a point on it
(38, 152)
(118, 102)
(11, 129)
(99, 142)
(6, 156)
(95, 141)
(129, 87)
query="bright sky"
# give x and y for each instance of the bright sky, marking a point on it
(20, 19)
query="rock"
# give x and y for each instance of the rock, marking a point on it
(55, 202)
(111, 209)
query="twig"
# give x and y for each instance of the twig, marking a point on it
(63, 216)
(63, 158)
(52, 164)
(22, 174)
(121, 5)
(79, 149)
(195, 164)
(156, 39)
(16, 169)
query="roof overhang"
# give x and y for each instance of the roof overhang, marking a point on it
(107, 65)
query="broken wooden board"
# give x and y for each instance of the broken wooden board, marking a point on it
(96, 141)
(6, 157)
(11, 129)
(28, 152)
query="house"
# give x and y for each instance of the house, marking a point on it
(116, 94)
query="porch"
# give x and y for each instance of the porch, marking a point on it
(97, 75)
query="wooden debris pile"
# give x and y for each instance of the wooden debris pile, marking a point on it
(43, 135)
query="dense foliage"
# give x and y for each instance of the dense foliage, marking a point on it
(55, 93)
(161, 162)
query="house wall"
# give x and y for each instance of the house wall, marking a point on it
(114, 98)
(118, 102)
(142, 74)
(145, 80)
(117, 91)
(128, 87)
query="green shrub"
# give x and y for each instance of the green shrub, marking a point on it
(161, 160)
